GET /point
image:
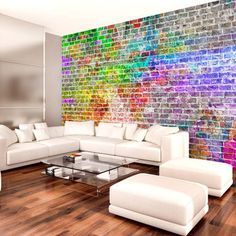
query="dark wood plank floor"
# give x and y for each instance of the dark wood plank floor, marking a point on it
(33, 204)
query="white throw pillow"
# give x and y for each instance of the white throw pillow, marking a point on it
(139, 135)
(8, 134)
(42, 125)
(155, 133)
(130, 130)
(41, 134)
(29, 127)
(150, 136)
(24, 136)
(118, 132)
(104, 129)
(79, 128)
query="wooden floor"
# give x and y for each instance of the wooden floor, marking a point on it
(33, 204)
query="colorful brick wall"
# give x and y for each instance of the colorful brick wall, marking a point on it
(177, 68)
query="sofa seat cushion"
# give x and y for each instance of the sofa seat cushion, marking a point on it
(100, 145)
(61, 145)
(163, 198)
(139, 150)
(80, 137)
(22, 152)
(218, 177)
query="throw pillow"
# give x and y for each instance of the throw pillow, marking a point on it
(155, 134)
(151, 133)
(130, 130)
(79, 128)
(139, 135)
(42, 125)
(41, 134)
(24, 136)
(29, 127)
(117, 132)
(8, 134)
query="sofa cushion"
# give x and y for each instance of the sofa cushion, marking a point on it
(139, 135)
(24, 136)
(213, 174)
(100, 145)
(22, 152)
(139, 150)
(56, 131)
(29, 127)
(80, 137)
(79, 128)
(163, 198)
(156, 132)
(8, 134)
(61, 145)
(117, 132)
(104, 129)
(42, 125)
(130, 130)
(41, 134)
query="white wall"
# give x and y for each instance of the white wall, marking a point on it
(52, 79)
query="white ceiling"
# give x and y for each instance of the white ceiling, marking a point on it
(68, 16)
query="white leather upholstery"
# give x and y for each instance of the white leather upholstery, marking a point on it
(3, 153)
(170, 200)
(22, 152)
(56, 131)
(79, 128)
(130, 130)
(8, 134)
(139, 150)
(100, 145)
(175, 146)
(81, 137)
(215, 175)
(61, 145)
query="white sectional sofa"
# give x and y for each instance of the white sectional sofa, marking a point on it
(81, 136)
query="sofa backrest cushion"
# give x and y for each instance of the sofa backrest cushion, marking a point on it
(130, 130)
(118, 132)
(156, 132)
(29, 127)
(56, 131)
(139, 135)
(8, 134)
(79, 128)
(104, 129)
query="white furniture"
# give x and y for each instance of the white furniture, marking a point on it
(16, 154)
(170, 204)
(218, 177)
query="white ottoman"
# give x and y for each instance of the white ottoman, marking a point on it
(170, 204)
(218, 177)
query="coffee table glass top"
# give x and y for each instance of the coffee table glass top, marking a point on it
(91, 163)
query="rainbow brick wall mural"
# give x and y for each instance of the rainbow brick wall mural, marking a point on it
(176, 68)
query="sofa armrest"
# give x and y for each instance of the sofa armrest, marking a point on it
(56, 131)
(175, 146)
(3, 153)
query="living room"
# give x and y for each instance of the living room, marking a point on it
(117, 117)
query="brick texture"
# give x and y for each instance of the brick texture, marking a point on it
(176, 68)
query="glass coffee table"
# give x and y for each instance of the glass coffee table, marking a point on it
(96, 170)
